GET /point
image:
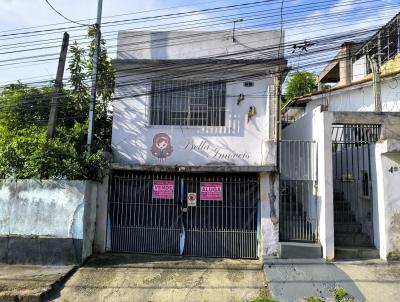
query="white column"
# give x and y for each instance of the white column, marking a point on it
(322, 125)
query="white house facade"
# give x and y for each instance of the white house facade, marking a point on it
(194, 144)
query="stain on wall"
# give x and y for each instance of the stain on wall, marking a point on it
(394, 237)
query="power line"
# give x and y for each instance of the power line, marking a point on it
(59, 13)
(23, 58)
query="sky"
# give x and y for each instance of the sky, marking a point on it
(302, 19)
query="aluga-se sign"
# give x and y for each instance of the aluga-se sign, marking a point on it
(211, 191)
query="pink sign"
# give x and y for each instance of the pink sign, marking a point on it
(163, 189)
(211, 191)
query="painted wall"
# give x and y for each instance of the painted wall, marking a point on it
(60, 213)
(388, 196)
(360, 97)
(197, 44)
(239, 142)
(359, 69)
(392, 202)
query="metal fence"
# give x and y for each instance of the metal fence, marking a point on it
(208, 228)
(298, 205)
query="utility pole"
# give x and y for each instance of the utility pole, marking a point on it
(376, 83)
(94, 76)
(57, 87)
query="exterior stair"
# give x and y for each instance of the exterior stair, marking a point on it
(350, 241)
(355, 253)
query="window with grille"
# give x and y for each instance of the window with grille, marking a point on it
(188, 103)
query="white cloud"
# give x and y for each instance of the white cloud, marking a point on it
(342, 6)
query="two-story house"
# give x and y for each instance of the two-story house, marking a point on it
(194, 144)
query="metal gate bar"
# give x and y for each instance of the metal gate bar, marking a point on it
(139, 223)
(351, 151)
(212, 228)
(297, 203)
(226, 228)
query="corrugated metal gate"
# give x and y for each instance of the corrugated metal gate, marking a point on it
(189, 221)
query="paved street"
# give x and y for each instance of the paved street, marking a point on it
(29, 282)
(292, 280)
(119, 277)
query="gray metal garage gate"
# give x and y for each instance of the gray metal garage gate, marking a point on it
(184, 214)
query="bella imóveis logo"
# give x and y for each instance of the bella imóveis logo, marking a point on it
(162, 147)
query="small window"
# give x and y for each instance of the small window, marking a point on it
(248, 84)
(187, 103)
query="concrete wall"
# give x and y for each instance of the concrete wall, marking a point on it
(360, 97)
(46, 222)
(269, 211)
(388, 198)
(197, 44)
(100, 243)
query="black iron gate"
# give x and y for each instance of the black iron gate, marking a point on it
(351, 150)
(194, 214)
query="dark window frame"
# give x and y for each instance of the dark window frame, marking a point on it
(187, 103)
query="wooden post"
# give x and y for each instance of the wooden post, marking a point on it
(57, 87)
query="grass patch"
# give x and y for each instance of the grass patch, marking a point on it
(263, 296)
(314, 299)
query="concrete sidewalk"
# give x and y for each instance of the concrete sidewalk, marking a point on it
(292, 280)
(123, 277)
(29, 282)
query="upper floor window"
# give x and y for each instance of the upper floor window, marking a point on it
(188, 103)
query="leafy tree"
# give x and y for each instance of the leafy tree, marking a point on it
(25, 150)
(299, 84)
(80, 68)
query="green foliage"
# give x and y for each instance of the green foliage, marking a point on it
(342, 296)
(22, 106)
(299, 84)
(263, 296)
(313, 299)
(25, 150)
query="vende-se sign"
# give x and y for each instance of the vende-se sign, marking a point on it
(211, 191)
(163, 189)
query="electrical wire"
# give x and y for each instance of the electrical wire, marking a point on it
(59, 13)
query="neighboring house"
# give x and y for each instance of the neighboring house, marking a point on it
(194, 144)
(350, 76)
(356, 196)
